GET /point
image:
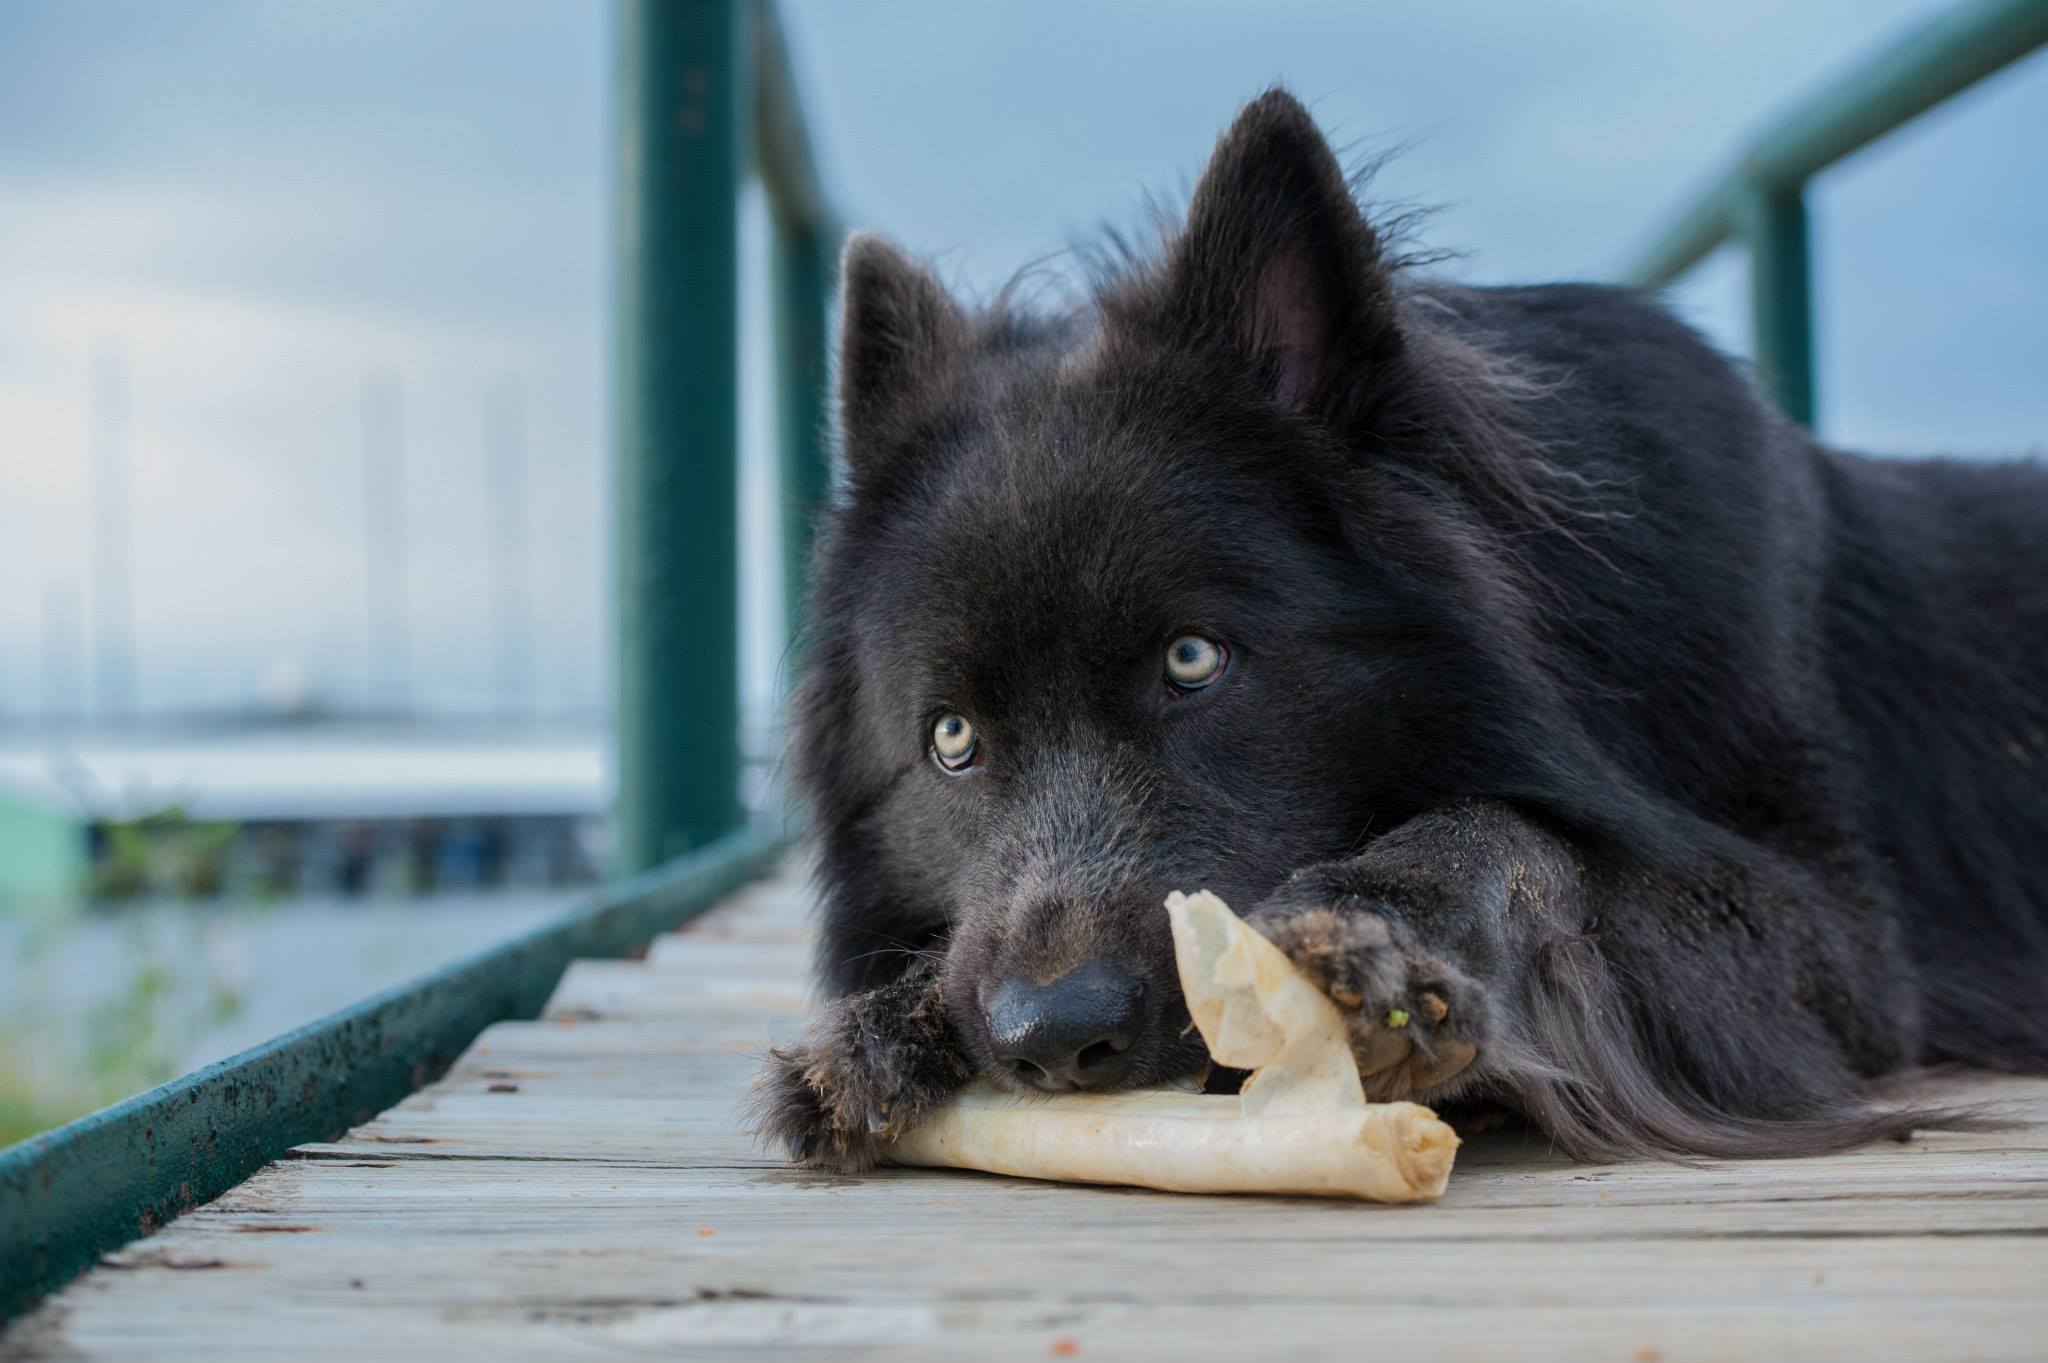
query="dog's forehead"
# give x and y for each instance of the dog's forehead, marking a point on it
(1040, 501)
(1067, 532)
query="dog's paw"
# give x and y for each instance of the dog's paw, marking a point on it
(1417, 1022)
(869, 1067)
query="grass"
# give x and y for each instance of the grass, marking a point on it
(127, 1041)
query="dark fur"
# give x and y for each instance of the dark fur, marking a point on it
(1612, 749)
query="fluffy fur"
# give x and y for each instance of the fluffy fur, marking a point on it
(1613, 750)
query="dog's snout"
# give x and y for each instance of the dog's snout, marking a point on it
(1074, 1033)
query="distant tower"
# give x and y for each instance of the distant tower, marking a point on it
(63, 648)
(384, 565)
(113, 612)
(511, 587)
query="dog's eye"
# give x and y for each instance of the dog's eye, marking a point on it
(953, 743)
(1193, 662)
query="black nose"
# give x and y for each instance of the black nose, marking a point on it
(1074, 1033)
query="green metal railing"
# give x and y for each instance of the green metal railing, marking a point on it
(705, 88)
(706, 92)
(1761, 203)
(70, 1195)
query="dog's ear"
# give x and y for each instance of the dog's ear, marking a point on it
(1277, 263)
(899, 332)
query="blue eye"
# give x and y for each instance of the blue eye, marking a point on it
(1193, 662)
(953, 743)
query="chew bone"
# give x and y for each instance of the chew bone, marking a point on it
(1300, 1125)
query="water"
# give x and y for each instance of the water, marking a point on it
(96, 1005)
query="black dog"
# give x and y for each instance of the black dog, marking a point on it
(1606, 746)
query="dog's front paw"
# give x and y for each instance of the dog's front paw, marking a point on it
(869, 1067)
(1417, 1021)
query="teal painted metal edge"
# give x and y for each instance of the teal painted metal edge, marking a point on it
(1781, 298)
(1927, 65)
(72, 1194)
(805, 264)
(685, 127)
(782, 144)
(808, 234)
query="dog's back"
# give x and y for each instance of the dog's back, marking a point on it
(1893, 611)
(1936, 631)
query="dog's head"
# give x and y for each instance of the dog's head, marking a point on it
(1116, 605)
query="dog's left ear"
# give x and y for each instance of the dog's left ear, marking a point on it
(1278, 264)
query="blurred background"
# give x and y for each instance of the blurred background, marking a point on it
(305, 405)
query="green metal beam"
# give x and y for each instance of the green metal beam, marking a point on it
(805, 263)
(789, 171)
(806, 260)
(1942, 57)
(72, 1194)
(1773, 227)
(1693, 236)
(1761, 202)
(685, 108)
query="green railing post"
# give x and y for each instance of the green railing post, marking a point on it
(1772, 223)
(685, 105)
(804, 267)
(807, 235)
(1761, 201)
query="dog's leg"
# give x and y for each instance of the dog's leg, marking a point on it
(1416, 938)
(869, 1066)
(1625, 1009)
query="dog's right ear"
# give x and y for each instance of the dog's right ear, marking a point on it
(1278, 267)
(899, 334)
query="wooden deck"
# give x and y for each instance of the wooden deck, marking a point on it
(579, 1186)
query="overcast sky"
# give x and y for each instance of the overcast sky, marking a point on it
(250, 209)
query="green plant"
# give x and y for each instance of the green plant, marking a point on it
(132, 1039)
(165, 851)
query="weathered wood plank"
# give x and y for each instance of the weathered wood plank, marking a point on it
(583, 1184)
(1759, 1318)
(642, 1198)
(626, 990)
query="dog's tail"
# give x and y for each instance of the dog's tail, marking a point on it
(1588, 1076)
